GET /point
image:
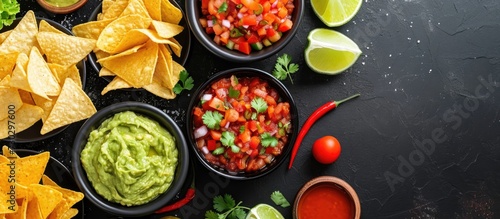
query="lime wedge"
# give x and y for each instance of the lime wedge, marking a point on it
(330, 52)
(335, 12)
(264, 211)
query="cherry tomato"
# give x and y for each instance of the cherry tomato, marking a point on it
(326, 149)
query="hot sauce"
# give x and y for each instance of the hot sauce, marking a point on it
(326, 201)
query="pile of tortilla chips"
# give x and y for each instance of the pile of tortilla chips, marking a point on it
(135, 39)
(39, 78)
(22, 195)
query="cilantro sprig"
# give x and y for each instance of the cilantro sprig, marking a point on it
(259, 104)
(267, 140)
(226, 207)
(283, 68)
(227, 139)
(212, 119)
(279, 199)
(185, 82)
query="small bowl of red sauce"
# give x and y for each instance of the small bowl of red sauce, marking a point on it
(242, 123)
(326, 197)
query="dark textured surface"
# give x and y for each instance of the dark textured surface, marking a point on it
(429, 75)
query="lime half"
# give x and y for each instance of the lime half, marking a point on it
(335, 12)
(330, 52)
(264, 211)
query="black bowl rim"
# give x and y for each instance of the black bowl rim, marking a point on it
(284, 93)
(181, 60)
(82, 68)
(93, 123)
(193, 12)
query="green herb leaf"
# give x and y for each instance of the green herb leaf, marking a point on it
(279, 199)
(259, 104)
(283, 68)
(235, 149)
(227, 138)
(212, 119)
(222, 8)
(268, 140)
(8, 11)
(218, 151)
(185, 82)
(233, 93)
(238, 213)
(242, 129)
(222, 204)
(211, 215)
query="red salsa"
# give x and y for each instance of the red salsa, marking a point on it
(246, 25)
(241, 124)
(326, 201)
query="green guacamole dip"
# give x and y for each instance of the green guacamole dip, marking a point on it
(61, 3)
(130, 159)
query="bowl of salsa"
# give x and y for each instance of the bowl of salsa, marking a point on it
(242, 123)
(326, 197)
(244, 30)
(130, 159)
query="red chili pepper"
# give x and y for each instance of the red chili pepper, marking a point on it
(318, 113)
(178, 204)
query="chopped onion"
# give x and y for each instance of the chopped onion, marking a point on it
(227, 125)
(205, 150)
(240, 15)
(206, 97)
(226, 23)
(246, 26)
(274, 4)
(210, 23)
(200, 132)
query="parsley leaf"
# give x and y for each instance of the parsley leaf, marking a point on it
(222, 8)
(279, 199)
(185, 82)
(233, 93)
(223, 203)
(218, 151)
(259, 104)
(211, 215)
(283, 68)
(212, 119)
(268, 140)
(238, 213)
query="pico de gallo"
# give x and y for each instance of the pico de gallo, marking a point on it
(246, 25)
(241, 124)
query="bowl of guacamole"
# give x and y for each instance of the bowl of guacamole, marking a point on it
(130, 159)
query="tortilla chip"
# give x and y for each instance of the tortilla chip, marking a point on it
(114, 10)
(7, 205)
(7, 63)
(19, 77)
(45, 104)
(113, 34)
(48, 181)
(11, 101)
(115, 84)
(140, 68)
(21, 191)
(26, 116)
(90, 30)
(70, 213)
(69, 198)
(22, 38)
(33, 210)
(106, 72)
(26, 97)
(157, 89)
(71, 106)
(170, 13)
(175, 46)
(40, 78)
(154, 9)
(136, 7)
(30, 169)
(124, 53)
(133, 39)
(4, 35)
(44, 26)
(166, 30)
(48, 198)
(64, 49)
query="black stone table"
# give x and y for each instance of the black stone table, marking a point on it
(423, 139)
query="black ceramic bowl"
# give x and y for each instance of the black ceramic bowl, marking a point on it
(285, 97)
(153, 113)
(193, 12)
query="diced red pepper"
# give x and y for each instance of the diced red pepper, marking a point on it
(217, 104)
(244, 47)
(285, 26)
(273, 35)
(254, 142)
(250, 19)
(211, 145)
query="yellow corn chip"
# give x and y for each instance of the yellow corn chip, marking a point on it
(157, 89)
(114, 10)
(26, 116)
(154, 9)
(71, 106)
(41, 80)
(115, 84)
(4, 35)
(44, 26)
(113, 34)
(26, 97)
(48, 198)
(166, 30)
(22, 38)
(64, 49)
(170, 13)
(7, 63)
(19, 77)
(106, 72)
(90, 30)
(11, 101)
(135, 7)
(45, 104)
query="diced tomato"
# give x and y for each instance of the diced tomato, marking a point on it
(244, 47)
(211, 145)
(211, 7)
(224, 37)
(221, 93)
(204, 4)
(270, 100)
(250, 19)
(253, 38)
(285, 26)
(232, 115)
(282, 12)
(266, 6)
(217, 104)
(260, 93)
(254, 142)
(272, 35)
(215, 135)
(218, 29)
(251, 4)
(252, 125)
(245, 136)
